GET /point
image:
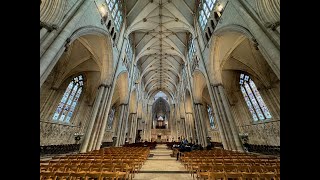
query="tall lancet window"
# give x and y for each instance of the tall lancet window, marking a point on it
(204, 13)
(69, 100)
(111, 117)
(115, 8)
(210, 114)
(256, 105)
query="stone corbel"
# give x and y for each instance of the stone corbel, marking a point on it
(48, 26)
(255, 43)
(272, 26)
(67, 45)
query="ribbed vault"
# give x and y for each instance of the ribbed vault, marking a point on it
(160, 30)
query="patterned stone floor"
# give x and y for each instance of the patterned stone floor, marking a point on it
(161, 166)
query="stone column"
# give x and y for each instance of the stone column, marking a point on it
(198, 126)
(132, 117)
(103, 116)
(202, 123)
(190, 126)
(134, 129)
(49, 57)
(85, 143)
(124, 126)
(122, 109)
(187, 125)
(96, 128)
(233, 127)
(184, 127)
(221, 120)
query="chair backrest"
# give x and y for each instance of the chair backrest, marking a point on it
(216, 175)
(108, 175)
(47, 175)
(230, 168)
(93, 175)
(218, 168)
(63, 175)
(267, 176)
(250, 176)
(233, 175)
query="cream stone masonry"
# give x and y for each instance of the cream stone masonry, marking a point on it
(81, 38)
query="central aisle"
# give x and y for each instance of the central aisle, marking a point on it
(162, 166)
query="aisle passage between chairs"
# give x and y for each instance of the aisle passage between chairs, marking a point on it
(162, 166)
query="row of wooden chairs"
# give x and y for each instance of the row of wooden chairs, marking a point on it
(91, 164)
(224, 163)
(80, 175)
(203, 170)
(240, 176)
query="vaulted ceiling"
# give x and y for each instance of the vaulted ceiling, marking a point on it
(159, 30)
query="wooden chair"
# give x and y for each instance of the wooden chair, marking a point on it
(45, 167)
(109, 175)
(93, 175)
(63, 176)
(47, 176)
(230, 168)
(243, 168)
(58, 168)
(84, 168)
(95, 168)
(267, 176)
(233, 175)
(217, 168)
(203, 171)
(78, 176)
(71, 168)
(216, 176)
(250, 176)
(258, 169)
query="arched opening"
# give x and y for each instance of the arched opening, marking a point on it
(86, 64)
(160, 118)
(237, 55)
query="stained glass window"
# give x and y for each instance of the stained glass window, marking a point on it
(110, 117)
(210, 114)
(204, 14)
(255, 103)
(115, 8)
(69, 100)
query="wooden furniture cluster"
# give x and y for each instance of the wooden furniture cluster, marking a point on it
(106, 163)
(224, 164)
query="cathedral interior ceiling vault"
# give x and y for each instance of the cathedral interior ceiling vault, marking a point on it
(159, 31)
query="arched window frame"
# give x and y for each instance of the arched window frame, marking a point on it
(69, 100)
(257, 107)
(211, 117)
(204, 14)
(115, 7)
